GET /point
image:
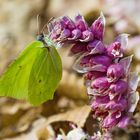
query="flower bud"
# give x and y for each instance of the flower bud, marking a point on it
(99, 102)
(119, 105)
(55, 28)
(100, 60)
(80, 23)
(98, 27)
(76, 34)
(114, 72)
(100, 85)
(92, 63)
(117, 48)
(111, 120)
(68, 23)
(65, 34)
(117, 88)
(86, 36)
(114, 50)
(123, 122)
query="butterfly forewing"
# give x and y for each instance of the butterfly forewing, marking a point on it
(14, 82)
(45, 75)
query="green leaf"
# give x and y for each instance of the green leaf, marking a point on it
(34, 75)
(45, 75)
(14, 82)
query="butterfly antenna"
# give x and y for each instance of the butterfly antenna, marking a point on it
(38, 29)
(47, 24)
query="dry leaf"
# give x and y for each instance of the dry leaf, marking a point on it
(77, 116)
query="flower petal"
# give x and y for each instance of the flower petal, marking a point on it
(133, 81)
(125, 62)
(123, 122)
(133, 100)
(123, 39)
(98, 27)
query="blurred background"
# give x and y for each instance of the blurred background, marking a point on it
(18, 27)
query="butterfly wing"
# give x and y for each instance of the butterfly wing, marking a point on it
(14, 82)
(45, 75)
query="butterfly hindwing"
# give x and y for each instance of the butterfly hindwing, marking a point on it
(14, 82)
(45, 75)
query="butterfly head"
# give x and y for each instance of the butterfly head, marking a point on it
(40, 37)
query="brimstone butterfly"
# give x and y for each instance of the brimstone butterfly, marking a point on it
(35, 74)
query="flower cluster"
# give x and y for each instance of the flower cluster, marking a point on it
(110, 84)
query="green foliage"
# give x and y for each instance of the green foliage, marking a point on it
(34, 75)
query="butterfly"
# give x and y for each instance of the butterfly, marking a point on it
(35, 74)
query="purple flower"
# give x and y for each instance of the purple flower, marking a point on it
(99, 103)
(92, 63)
(118, 88)
(111, 120)
(67, 23)
(98, 27)
(117, 48)
(87, 36)
(81, 23)
(92, 75)
(100, 59)
(114, 72)
(119, 105)
(61, 29)
(75, 34)
(65, 34)
(124, 121)
(100, 85)
(114, 50)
